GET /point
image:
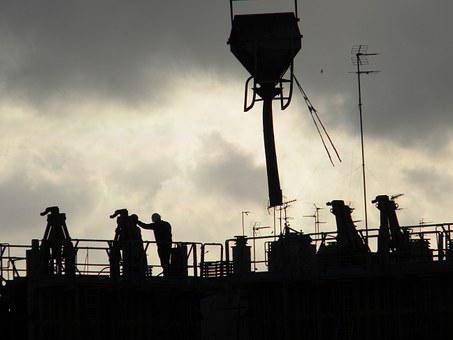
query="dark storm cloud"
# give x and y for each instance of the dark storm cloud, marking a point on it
(225, 170)
(105, 48)
(127, 51)
(409, 101)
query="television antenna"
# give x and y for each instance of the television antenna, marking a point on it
(284, 214)
(359, 58)
(255, 230)
(315, 216)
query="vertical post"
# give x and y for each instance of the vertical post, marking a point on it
(227, 257)
(317, 220)
(296, 9)
(362, 147)
(254, 247)
(2, 250)
(231, 11)
(243, 213)
(202, 260)
(275, 225)
(195, 260)
(242, 223)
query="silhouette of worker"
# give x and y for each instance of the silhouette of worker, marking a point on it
(162, 235)
(122, 216)
(56, 236)
(137, 252)
(128, 238)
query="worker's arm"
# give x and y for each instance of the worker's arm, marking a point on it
(146, 225)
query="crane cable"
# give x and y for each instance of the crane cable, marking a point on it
(317, 121)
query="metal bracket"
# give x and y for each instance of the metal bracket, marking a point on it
(288, 98)
(254, 100)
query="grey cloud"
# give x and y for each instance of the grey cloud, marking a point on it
(144, 178)
(22, 198)
(433, 183)
(225, 170)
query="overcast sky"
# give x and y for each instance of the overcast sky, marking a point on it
(115, 104)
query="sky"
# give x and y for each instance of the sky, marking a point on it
(138, 105)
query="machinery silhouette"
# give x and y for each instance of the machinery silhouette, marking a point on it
(55, 255)
(266, 44)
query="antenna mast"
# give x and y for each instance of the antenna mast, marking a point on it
(317, 220)
(283, 208)
(360, 58)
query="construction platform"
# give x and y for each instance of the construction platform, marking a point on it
(245, 288)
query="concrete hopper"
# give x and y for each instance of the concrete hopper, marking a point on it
(266, 45)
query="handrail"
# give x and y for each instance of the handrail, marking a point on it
(92, 252)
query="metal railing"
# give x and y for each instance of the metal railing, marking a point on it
(211, 259)
(438, 235)
(93, 258)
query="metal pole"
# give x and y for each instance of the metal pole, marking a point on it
(254, 246)
(316, 220)
(231, 11)
(362, 147)
(242, 218)
(202, 259)
(1, 263)
(275, 226)
(195, 261)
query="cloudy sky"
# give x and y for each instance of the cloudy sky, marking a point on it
(138, 104)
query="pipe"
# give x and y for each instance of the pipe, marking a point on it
(273, 180)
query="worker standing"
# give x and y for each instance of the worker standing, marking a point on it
(162, 235)
(56, 240)
(128, 238)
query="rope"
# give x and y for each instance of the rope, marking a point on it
(317, 120)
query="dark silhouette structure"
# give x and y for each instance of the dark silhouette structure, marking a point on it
(394, 243)
(349, 246)
(128, 241)
(162, 235)
(55, 255)
(266, 45)
(342, 290)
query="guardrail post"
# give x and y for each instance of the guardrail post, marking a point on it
(195, 264)
(2, 251)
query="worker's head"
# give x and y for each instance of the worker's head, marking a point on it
(119, 212)
(50, 210)
(155, 217)
(134, 218)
